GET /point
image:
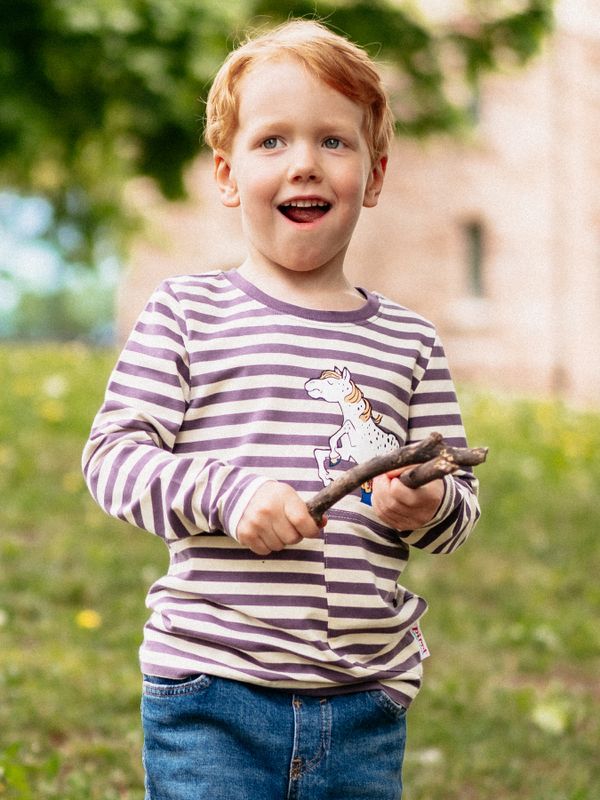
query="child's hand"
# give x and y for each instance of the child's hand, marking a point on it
(402, 508)
(275, 517)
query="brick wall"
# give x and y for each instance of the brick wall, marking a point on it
(526, 181)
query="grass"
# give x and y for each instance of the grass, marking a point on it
(511, 703)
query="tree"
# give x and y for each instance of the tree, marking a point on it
(95, 92)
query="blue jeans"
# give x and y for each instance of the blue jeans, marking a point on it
(214, 739)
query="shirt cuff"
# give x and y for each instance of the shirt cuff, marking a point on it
(445, 507)
(241, 504)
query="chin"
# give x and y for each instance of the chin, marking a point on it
(302, 266)
(306, 262)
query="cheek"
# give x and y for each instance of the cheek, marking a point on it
(257, 194)
(351, 185)
(257, 180)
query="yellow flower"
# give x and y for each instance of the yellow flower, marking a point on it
(72, 482)
(7, 456)
(88, 619)
(52, 411)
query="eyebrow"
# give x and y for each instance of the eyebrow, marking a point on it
(329, 127)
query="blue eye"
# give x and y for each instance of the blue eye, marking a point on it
(270, 143)
(331, 143)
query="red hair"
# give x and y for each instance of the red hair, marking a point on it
(327, 56)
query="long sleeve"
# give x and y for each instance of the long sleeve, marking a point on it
(221, 388)
(130, 461)
(433, 407)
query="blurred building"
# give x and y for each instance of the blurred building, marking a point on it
(495, 238)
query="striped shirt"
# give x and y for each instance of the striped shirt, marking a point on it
(221, 388)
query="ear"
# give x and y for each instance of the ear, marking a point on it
(225, 180)
(375, 182)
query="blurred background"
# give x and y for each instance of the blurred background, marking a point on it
(489, 224)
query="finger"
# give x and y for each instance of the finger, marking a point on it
(389, 490)
(393, 473)
(299, 519)
(261, 538)
(389, 500)
(276, 539)
(392, 491)
(286, 532)
(254, 543)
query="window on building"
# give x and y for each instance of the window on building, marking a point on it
(474, 235)
(474, 103)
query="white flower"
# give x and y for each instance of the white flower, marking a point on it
(551, 717)
(55, 386)
(429, 757)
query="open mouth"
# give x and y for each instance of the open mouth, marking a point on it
(304, 210)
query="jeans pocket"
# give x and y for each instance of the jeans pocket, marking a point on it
(168, 687)
(392, 709)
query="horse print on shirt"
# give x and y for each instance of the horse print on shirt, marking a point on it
(359, 437)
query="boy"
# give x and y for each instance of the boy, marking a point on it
(280, 658)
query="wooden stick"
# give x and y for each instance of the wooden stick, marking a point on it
(429, 471)
(434, 458)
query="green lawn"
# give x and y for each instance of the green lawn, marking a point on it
(511, 704)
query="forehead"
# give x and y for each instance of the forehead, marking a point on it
(285, 87)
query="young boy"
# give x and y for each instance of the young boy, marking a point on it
(280, 658)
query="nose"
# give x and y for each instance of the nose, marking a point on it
(304, 164)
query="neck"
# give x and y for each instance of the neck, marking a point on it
(321, 289)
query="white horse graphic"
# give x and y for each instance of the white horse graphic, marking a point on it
(359, 437)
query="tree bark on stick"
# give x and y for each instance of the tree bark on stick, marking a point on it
(433, 459)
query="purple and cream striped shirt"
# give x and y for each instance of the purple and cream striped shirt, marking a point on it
(221, 388)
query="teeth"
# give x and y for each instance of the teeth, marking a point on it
(306, 204)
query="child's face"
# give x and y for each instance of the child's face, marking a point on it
(299, 167)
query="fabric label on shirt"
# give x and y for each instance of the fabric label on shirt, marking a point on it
(423, 649)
